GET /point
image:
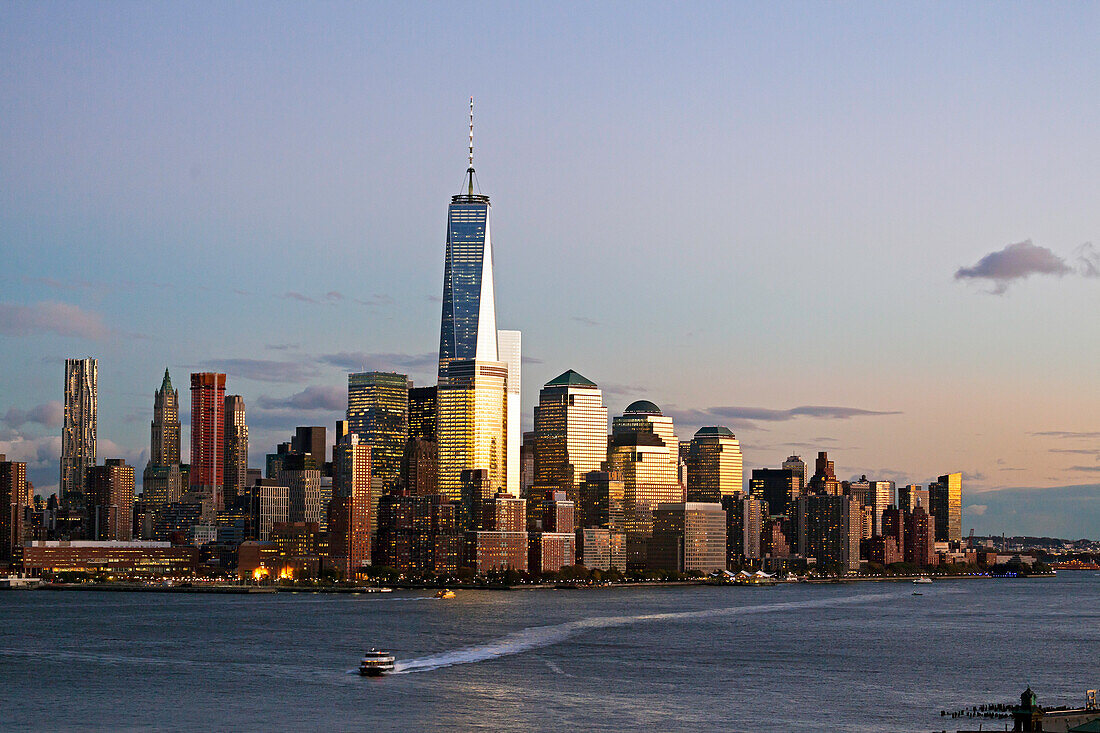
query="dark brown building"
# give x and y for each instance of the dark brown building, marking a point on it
(109, 501)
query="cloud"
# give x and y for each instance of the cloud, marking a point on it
(976, 510)
(317, 397)
(49, 414)
(1085, 469)
(765, 414)
(530, 359)
(335, 296)
(1088, 260)
(1077, 451)
(1065, 434)
(264, 370)
(584, 321)
(281, 347)
(1014, 262)
(361, 361)
(51, 317)
(299, 297)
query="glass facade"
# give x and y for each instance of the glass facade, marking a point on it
(570, 433)
(468, 326)
(378, 412)
(472, 425)
(714, 465)
(945, 497)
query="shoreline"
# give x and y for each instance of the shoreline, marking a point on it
(236, 589)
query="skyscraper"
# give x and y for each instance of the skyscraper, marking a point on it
(778, 487)
(236, 447)
(882, 497)
(208, 436)
(422, 413)
(472, 403)
(945, 505)
(378, 412)
(164, 441)
(508, 347)
(78, 434)
(13, 491)
(468, 327)
(570, 433)
(796, 464)
(714, 465)
(354, 511)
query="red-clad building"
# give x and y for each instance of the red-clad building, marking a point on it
(551, 551)
(498, 551)
(352, 512)
(120, 558)
(208, 435)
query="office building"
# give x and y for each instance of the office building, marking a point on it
(78, 432)
(164, 440)
(508, 349)
(945, 504)
(378, 412)
(206, 476)
(778, 488)
(714, 465)
(270, 506)
(882, 498)
(468, 327)
(570, 437)
(829, 530)
(235, 471)
(912, 496)
(109, 501)
(645, 417)
(688, 537)
(640, 461)
(798, 466)
(601, 502)
(300, 474)
(422, 413)
(310, 441)
(470, 433)
(602, 549)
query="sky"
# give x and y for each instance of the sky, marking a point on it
(856, 227)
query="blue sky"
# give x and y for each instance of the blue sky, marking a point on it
(725, 208)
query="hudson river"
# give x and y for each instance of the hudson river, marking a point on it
(852, 657)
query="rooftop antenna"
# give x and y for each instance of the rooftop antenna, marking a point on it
(470, 171)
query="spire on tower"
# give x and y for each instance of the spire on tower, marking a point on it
(470, 170)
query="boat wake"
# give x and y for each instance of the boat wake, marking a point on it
(538, 637)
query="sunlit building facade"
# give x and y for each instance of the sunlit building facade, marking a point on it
(472, 425)
(945, 505)
(640, 462)
(570, 433)
(78, 432)
(208, 436)
(109, 501)
(689, 537)
(508, 348)
(353, 515)
(714, 465)
(378, 412)
(235, 473)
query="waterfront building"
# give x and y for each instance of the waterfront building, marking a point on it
(714, 465)
(235, 471)
(829, 529)
(920, 538)
(602, 502)
(508, 349)
(378, 412)
(551, 551)
(558, 513)
(271, 506)
(409, 531)
(912, 496)
(353, 515)
(798, 466)
(472, 404)
(422, 413)
(945, 504)
(164, 439)
(688, 537)
(776, 487)
(117, 558)
(570, 437)
(78, 432)
(502, 543)
(602, 549)
(109, 501)
(206, 476)
(13, 500)
(468, 326)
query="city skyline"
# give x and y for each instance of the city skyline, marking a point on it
(903, 375)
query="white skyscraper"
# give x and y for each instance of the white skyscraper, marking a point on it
(508, 349)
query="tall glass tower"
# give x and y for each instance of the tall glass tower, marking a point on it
(469, 324)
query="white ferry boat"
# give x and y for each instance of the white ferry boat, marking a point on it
(922, 580)
(376, 663)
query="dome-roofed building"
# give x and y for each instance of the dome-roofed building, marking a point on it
(642, 407)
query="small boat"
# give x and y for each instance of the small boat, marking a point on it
(376, 663)
(922, 580)
(445, 593)
(917, 593)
